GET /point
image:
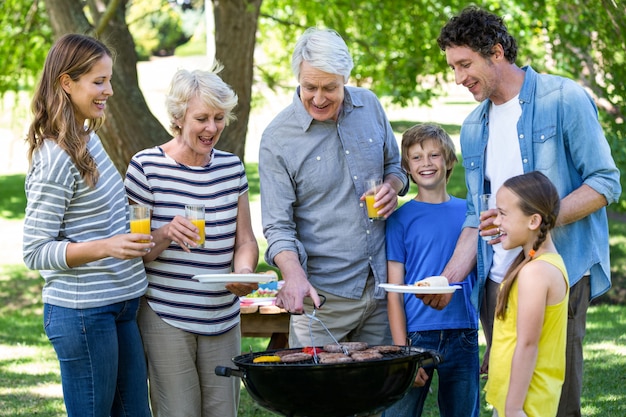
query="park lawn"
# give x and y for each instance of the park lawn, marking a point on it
(29, 374)
(30, 379)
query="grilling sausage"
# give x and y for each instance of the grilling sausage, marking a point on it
(350, 346)
(365, 355)
(387, 348)
(334, 357)
(296, 357)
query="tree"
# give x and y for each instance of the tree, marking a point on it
(24, 42)
(392, 42)
(591, 47)
(130, 125)
(235, 40)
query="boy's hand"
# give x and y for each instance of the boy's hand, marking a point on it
(436, 301)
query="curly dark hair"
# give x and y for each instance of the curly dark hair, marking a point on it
(479, 30)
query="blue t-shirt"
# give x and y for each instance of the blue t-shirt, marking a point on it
(422, 236)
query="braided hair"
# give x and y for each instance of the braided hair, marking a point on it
(537, 195)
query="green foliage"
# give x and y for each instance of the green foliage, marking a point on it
(396, 55)
(393, 44)
(156, 26)
(590, 47)
(24, 42)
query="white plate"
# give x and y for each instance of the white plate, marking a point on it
(257, 301)
(412, 289)
(226, 278)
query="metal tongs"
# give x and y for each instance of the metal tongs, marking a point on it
(313, 318)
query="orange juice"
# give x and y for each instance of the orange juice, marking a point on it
(140, 226)
(492, 226)
(199, 223)
(372, 212)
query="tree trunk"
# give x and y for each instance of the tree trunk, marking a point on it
(235, 37)
(129, 125)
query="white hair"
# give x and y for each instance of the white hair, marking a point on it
(324, 50)
(207, 86)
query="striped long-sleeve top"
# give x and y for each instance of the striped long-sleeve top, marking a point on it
(155, 179)
(61, 208)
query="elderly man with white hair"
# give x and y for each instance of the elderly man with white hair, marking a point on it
(314, 159)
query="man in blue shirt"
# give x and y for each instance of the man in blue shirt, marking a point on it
(528, 121)
(314, 159)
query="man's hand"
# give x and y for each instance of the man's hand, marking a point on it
(420, 378)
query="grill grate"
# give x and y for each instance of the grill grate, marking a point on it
(405, 351)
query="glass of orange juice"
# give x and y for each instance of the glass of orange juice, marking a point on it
(140, 220)
(487, 202)
(196, 213)
(371, 188)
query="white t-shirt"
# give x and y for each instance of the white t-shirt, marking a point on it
(503, 161)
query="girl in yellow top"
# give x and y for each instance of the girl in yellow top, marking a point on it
(527, 361)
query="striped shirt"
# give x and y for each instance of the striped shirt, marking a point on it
(166, 186)
(61, 208)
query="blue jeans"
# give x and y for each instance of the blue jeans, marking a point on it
(103, 368)
(459, 385)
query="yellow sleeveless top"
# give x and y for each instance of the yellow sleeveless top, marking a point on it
(544, 391)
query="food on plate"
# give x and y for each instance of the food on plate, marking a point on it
(350, 346)
(437, 281)
(266, 359)
(262, 293)
(296, 357)
(267, 289)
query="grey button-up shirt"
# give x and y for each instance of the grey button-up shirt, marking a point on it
(312, 175)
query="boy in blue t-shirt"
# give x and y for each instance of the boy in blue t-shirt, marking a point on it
(421, 237)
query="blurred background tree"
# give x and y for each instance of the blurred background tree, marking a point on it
(393, 44)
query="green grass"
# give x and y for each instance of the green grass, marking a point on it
(29, 373)
(12, 198)
(30, 380)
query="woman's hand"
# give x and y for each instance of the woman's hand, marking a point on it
(181, 231)
(241, 289)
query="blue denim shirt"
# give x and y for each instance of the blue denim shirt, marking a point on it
(312, 175)
(559, 135)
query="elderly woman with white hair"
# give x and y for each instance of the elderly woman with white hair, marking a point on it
(189, 327)
(314, 159)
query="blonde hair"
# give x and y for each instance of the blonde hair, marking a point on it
(207, 86)
(54, 114)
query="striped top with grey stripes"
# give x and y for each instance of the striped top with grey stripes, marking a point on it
(61, 208)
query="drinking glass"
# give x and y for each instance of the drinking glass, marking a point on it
(196, 213)
(140, 220)
(487, 201)
(371, 188)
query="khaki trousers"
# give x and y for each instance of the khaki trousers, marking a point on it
(181, 369)
(362, 320)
